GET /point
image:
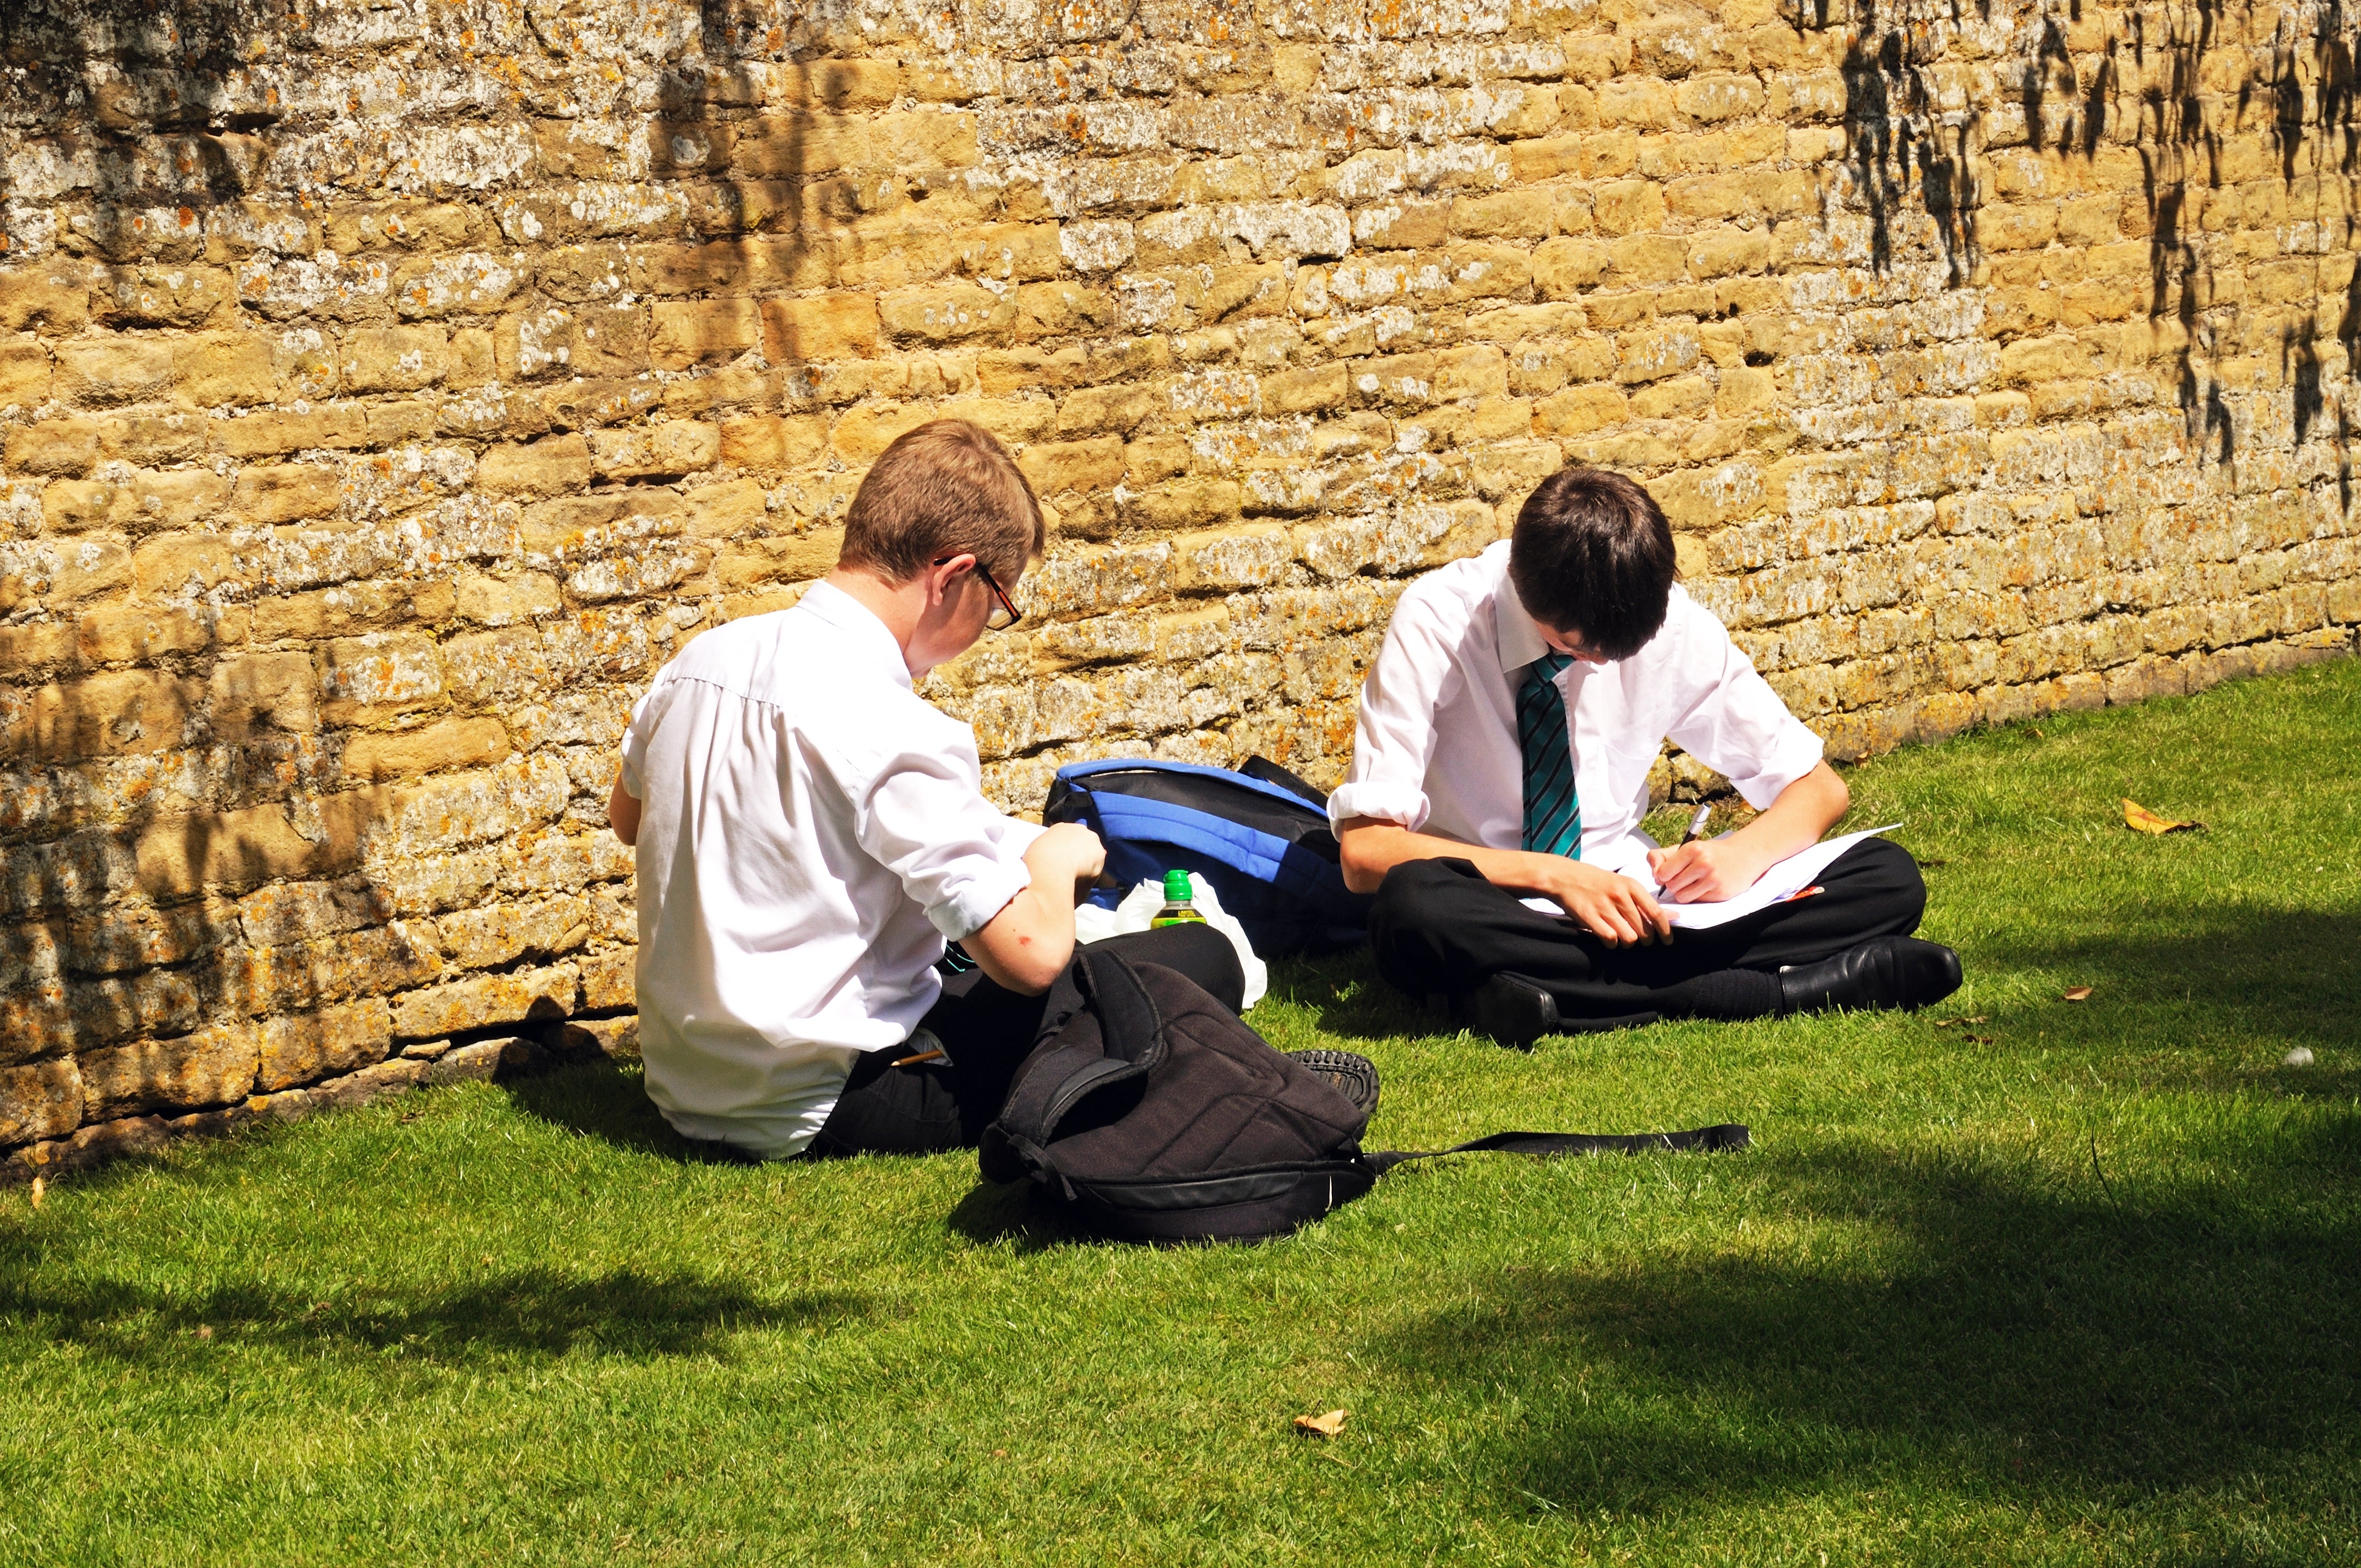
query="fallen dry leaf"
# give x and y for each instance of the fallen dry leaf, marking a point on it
(2078, 993)
(1328, 1425)
(40, 1190)
(2141, 819)
(1978, 1039)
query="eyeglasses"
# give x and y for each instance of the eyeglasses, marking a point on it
(1004, 613)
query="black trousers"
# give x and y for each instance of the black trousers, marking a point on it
(1438, 928)
(987, 1031)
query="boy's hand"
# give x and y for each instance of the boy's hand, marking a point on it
(1074, 849)
(1706, 871)
(1612, 908)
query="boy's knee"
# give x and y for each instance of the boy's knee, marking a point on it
(1890, 872)
(1413, 895)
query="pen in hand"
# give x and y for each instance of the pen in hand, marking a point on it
(1696, 823)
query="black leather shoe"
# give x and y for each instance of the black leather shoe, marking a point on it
(1513, 1011)
(1884, 972)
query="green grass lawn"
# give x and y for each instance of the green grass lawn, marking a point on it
(2076, 1283)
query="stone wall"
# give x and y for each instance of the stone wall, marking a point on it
(387, 387)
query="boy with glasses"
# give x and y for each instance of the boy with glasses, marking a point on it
(1505, 738)
(810, 834)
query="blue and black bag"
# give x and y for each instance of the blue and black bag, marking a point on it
(1261, 836)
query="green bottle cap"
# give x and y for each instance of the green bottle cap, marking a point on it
(1176, 889)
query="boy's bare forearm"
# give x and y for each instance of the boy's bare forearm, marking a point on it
(1805, 809)
(1028, 944)
(1370, 847)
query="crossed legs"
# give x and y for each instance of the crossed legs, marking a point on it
(1440, 930)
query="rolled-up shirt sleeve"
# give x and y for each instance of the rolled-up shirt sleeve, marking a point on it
(1413, 675)
(1735, 725)
(645, 715)
(924, 818)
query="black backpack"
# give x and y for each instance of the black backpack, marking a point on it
(1147, 1111)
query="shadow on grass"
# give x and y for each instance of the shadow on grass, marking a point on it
(1346, 998)
(603, 1099)
(2000, 1324)
(2279, 974)
(992, 1215)
(534, 1313)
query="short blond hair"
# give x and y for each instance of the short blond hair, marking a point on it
(947, 488)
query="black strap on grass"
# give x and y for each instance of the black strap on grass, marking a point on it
(1728, 1138)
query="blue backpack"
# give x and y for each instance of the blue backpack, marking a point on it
(1261, 836)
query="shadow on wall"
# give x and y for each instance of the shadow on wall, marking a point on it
(138, 911)
(2058, 1336)
(2167, 62)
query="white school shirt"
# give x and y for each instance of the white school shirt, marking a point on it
(1437, 750)
(811, 834)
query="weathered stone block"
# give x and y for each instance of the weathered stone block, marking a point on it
(209, 1068)
(553, 466)
(378, 672)
(658, 451)
(542, 928)
(230, 849)
(231, 369)
(608, 980)
(98, 372)
(262, 695)
(286, 493)
(821, 328)
(24, 373)
(394, 358)
(485, 1001)
(130, 711)
(43, 1100)
(366, 1087)
(686, 332)
(411, 754)
(303, 1047)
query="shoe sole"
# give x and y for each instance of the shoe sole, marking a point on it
(1354, 1077)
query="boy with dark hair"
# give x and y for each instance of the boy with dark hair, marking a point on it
(1506, 734)
(810, 834)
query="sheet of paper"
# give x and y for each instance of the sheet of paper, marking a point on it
(1785, 880)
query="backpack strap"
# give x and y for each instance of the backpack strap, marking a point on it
(1727, 1138)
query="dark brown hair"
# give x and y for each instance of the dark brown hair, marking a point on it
(1592, 557)
(947, 488)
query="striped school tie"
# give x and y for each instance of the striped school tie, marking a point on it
(1552, 815)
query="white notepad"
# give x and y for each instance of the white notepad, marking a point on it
(1785, 880)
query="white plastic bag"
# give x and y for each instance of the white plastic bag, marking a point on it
(1092, 924)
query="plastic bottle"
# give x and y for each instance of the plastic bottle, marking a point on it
(1179, 904)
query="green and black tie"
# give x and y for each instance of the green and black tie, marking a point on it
(1552, 815)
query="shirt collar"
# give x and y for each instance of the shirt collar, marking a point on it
(1519, 636)
(866, 634)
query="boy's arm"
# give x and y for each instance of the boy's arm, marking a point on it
(624, 813)
(1614, 907)
(1711, 870)
(1027, 945)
